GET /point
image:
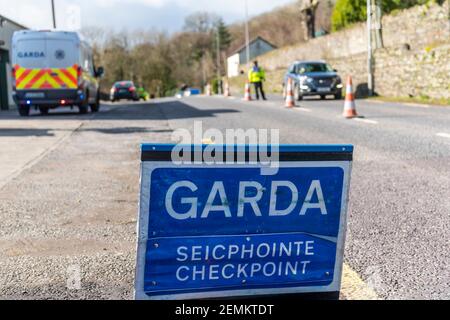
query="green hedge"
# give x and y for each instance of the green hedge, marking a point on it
(347, 12)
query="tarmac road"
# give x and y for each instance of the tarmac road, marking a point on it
(70, 207)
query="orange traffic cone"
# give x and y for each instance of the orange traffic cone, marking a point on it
(248, 96)
(290, 101)
(350, 105)
(227, 92)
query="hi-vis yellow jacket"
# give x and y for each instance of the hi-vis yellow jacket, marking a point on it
(256, 74)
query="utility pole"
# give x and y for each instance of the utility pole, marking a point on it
(53, 14)
(219, 66)
(203, 71)
(378, 25)
(247, 33)
(370, 49)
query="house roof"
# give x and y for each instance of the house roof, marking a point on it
(258, 38)
(13, 22)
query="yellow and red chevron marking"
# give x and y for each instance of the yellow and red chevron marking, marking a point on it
(46, 78)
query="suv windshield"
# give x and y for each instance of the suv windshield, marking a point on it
(314, 67)
(124, 84)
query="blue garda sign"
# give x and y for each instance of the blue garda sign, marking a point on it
(211, 231)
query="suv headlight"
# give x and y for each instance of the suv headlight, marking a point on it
(306, 79)
(338, 83)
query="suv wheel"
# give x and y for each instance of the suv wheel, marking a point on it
(338, 96)
(297, 95)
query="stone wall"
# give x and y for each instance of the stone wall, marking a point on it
(414, 63)
(418, 26)
(423, 73)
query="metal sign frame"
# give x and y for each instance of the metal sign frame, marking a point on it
(157, 156)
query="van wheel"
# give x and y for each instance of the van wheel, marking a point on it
(24, 110)
(96, 106)
(44, 110)
(84, 106)
(83, 109)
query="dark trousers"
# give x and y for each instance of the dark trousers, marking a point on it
(259, 89)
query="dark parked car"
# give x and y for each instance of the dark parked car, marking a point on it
(124, 90)
(314, 78)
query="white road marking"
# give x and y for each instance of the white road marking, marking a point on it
(44, 153)
(354, 288)
(443, 135)
(302, 109)
(409, 104)
(374, 101)
(416, 105)
(365, 120)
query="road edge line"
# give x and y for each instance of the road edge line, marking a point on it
(41, 156)
(354, 288)
(368, 121)
(443, 135)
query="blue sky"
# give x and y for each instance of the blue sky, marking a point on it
(127, 14)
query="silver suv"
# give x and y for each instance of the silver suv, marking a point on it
(314, 78)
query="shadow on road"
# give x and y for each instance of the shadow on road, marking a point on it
(62, 114)
(20, 132)
(170, 110)
(125, 130)
(134, 111)
(16, 132)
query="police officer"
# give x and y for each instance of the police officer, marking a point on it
(256, 76)
(142, 93)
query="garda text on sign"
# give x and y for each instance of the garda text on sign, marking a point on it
(209, 231)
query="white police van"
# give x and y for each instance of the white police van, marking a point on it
(53, 69)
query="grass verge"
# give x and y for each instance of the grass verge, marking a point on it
(415, 100)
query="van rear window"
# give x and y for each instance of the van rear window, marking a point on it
(30, 54)
(42, 53)
(62, 53)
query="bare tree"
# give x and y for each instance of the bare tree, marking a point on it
(323, 16)
(308, 10)
(96, 36)
(201, 22)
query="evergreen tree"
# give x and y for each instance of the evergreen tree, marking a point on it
(224, 34)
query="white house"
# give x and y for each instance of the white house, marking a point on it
(7, 28)
(258, 46)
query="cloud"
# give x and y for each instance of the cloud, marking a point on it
(115, 3)
(29, 13)
(131, 14)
